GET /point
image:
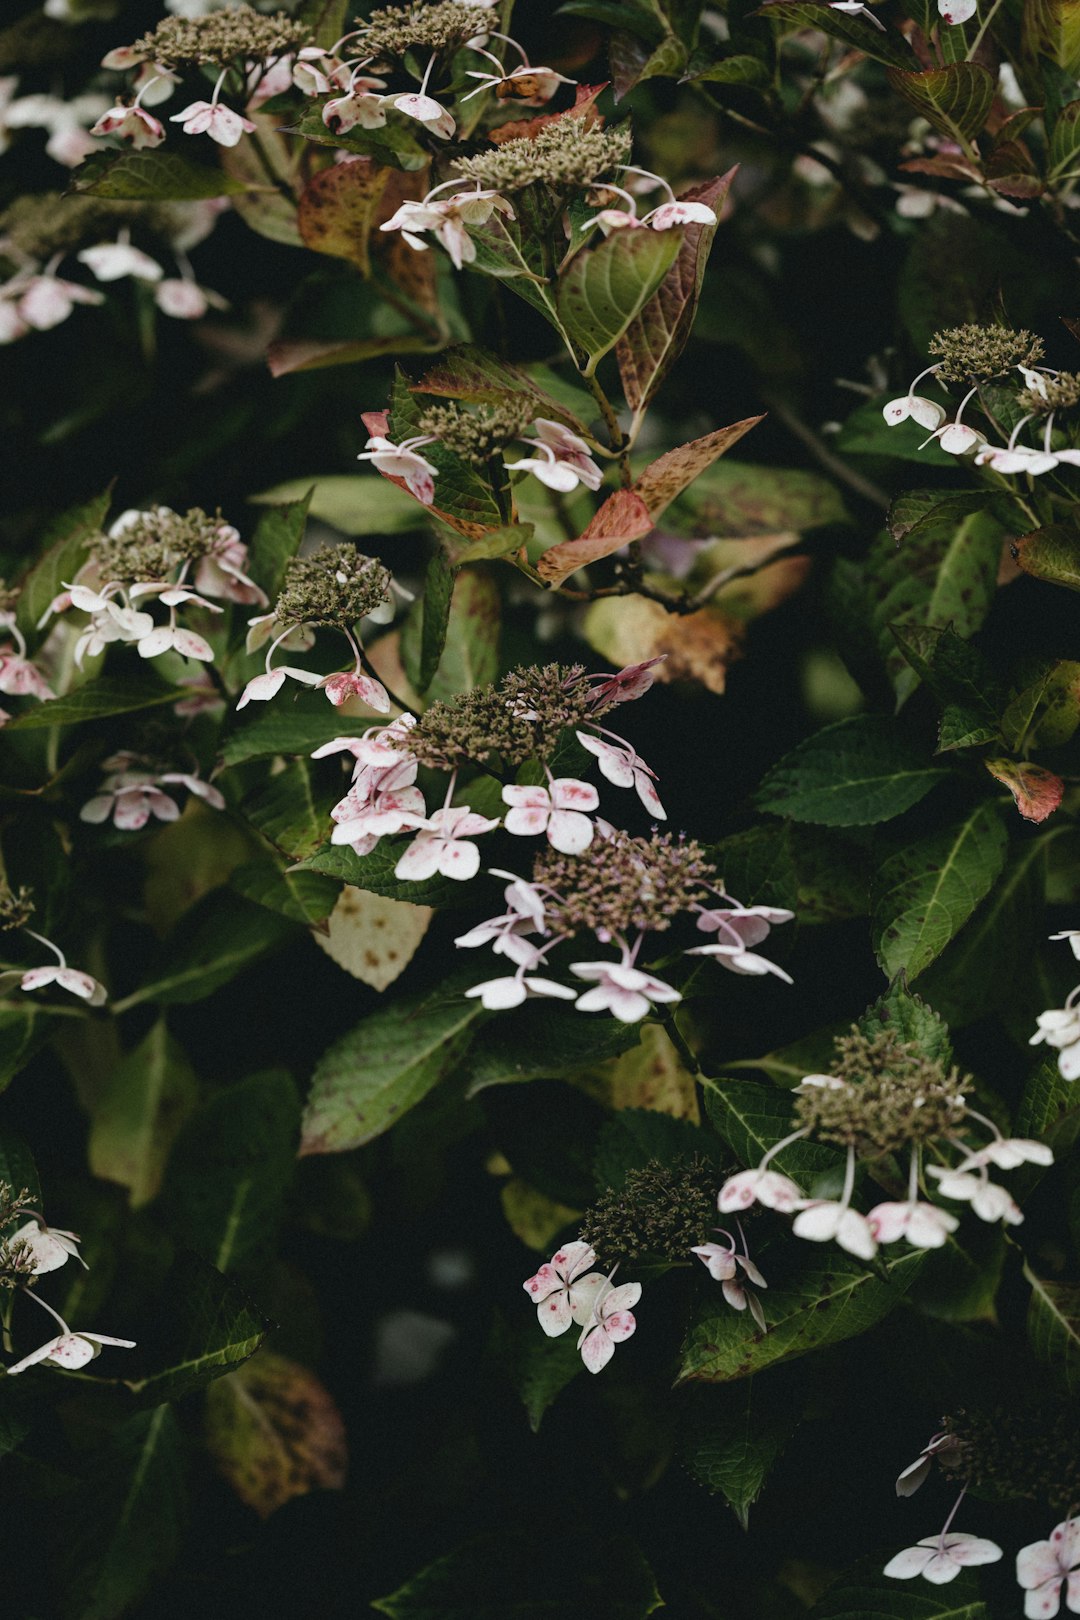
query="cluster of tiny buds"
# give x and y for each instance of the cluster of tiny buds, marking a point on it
(335, 585)
(1051, 392)
(154, 543)
(640, 884)
(16, 910)
(520, 718)
(886, 1094)
(476, 435)
(443, 26)
(217, 40)
(661, 1210)
(972, 353)
(565, 153)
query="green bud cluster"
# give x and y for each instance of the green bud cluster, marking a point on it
(16, 909)
(520, 718)
(1028, 1448)
(563, 154)
(239, 34)
(892, 1095)
(393, 30)
(970, 353)
(1062, 393)
(477, 435)
(335, 585)
(662, 1209)
(16, 1259)
(159, 542)
(624, 883)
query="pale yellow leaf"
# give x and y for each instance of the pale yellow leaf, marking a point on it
(532, 1216)
(274, 1432)
(372, 937)
(650, 1075)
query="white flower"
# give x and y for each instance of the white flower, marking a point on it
(20, 678)
(70, 1351)
(1073, 937)
(679, 213)
(48, 300)
(856, 8)
(111, 261)
(735, 956)
(956, 11)
(611, 1322)
(220, 571)
(264, 687)
(1016, 459)
(958, 439)
(174, 638)
(498, 994)
(211, 118)
(426, 110)
(131, 798)
(924, 411)
(925, 1226)
(443, 846)
(447, 219)
(402, 461)
(767, 1187)
(625, 768)
(132, 124)
(723, 1265)
(826, 1220)
(563, 462)
(625, 991)
(1060, 1027)
(50, 1246)
(358, 107)
(989, 1201)
(354, 684)
(184, 300)
(70, 979)
(939, 1559)
(1045, 1566)
(1006, 1152)
(562, 1292)
(559, 812)
(910, 1478)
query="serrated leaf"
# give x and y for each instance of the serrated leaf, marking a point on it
(63, 552)
(1046, 713)
(635, 1136)
(538, 1367)
(607, 286)
(468, 372)
(538, 1043)
(383, 1067)
(338, 208)
(1053, 554)
(960, 1281)
(298, 725)
(278, 537)
(665, 479)
(1053, 1326)
(955, 99)
(730, 1438)
(909, 1019)
(287, 355)
(138, 1114)
(1036, 791)
(872, 1596)
(288, 811)
(301, 896)
(376, 872)
(1049, 1108)
(275, 1433)
(151, 176)
(864, 36)
(855, 773)
(822, 1302)
(740, 69)
(924, 894)
(97, 700)
(752, 1118)
(624, 517)
(204, 1325)
(494, 1578)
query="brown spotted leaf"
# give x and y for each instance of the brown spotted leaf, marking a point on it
(622, 518)
(338, 209)
(1037, 791)
(527, 129)
(274, 1432)
(673, 472)
(471, 373)
(695, 646)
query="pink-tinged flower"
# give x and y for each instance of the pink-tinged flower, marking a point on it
(988, 1201)
(679, 213)
(174, 638)
(627, 684)
(499, 994)
(130, 798)
(425, 110)
(380, 746)
(909, 1479)
(939, 1559)
(447, 220)
(563, 1290)
(957, 11)
(925, 412)
(723, 1263)
(623, 767)
(48, 300)
(122, 58)
(184, 300)
(563, 460)
(924, 1226)
(132, 124)
(358, 108)
(402, 461)
(50, 1246)
(220, 571)
(443, 846)
(70, 979)
(195, 784)
(112, 261)
(204, 697)
(70, 1351)
(767, 1187)
(1060, 1027)
(1044, 1567)
(611, 1322)
(12, 325)
(264, 687)
(20, 678)
(558, 811)
(739, 960)
(958, 439)
(211, 118)
(380, 804)
(340, 688)
(625, 991)
(614, 219)
(828, 1221)
(262, 628)
(111, 623)
(1007, 1152)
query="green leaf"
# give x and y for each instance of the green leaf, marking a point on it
(872, 1596)
(738, 499)
(469, 656)
(923, 895)
(1047, 712)
(137, 1115)
(434, 619)
(151, 176)
(97, 700)
(656, 337)
(542, 1043)
(202, 1327)
(1065, 141)
(296, 726)
(908, 1018)
(1049, 1108)
(959, 677)
(730, 1438)
(495, 1578)
(286, 811)
(758, 865)
(17, 1166)
(129, 1528)
(1053, 1326)
(231, 1169)
(634, 1136)
(395, 143)
(24, 1028)
(468, 372)
(752, 1118)
(213, 942)
(822, 1302)
(278, 536)
(538, 1367)
(376, 872)
(63, 554)
(607, 286)
(854, 773)
(954, 99)
(302, 896)
(355, 504)
(810, 1054)
(338, 210)
(1053, 554)
(960, 1281)
(740, 69)
(463, 499)
(873, 42)
(496, 543)
(980, 970)
(382, 1068)
(1052, 28)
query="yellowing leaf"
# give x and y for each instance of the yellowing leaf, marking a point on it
(650, 1075)
(622, 518)
(372, 937)
(672, 472)
(1037, 791)
(532, 1216)
(696, 646)
(274, 1432)
(338, 209)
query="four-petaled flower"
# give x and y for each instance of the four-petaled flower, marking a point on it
(426, 110)
(499, 994)
(924, 1226)
(72, 980)
(70, 1351)
(1044, 1567)
(403, 461)
(611, 1322)
(939, 1559)
(50, 1246)
(558, 811)
(626, 991)
(563, 460)
(132, 124)
(446, 219)
(926, 412)
(564, 1288)
(989, 1201)
(211, 118)
(767, 1187)
(723, 1264)
(625, 768)
(444, 846)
